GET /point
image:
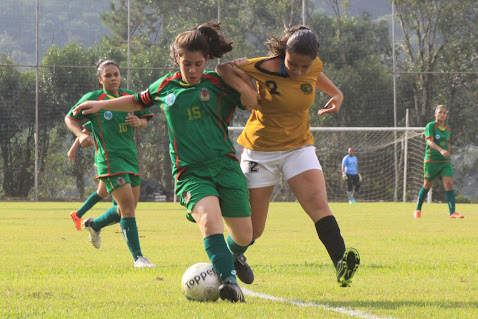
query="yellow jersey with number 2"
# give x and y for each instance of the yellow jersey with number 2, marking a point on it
(282, 123)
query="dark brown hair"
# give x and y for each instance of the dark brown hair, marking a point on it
(100, 65)
(205, 38)
(299, 40)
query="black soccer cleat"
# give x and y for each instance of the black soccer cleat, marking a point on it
(347, 266)
(231, 291)
(243, 270)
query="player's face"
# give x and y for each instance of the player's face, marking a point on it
(111, 78)
(351, 151)
(441, 114)
(192, 64)
(297, 65)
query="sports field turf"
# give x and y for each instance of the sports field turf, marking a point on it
(411, 268)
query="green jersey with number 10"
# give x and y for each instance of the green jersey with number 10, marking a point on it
(441, 137)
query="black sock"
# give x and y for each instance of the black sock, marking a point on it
(329, 233)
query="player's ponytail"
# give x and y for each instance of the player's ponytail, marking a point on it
(299, 39)
(205, 38)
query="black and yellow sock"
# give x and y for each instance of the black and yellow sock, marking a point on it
(130, 234)
(329, 233)
(450, 199)
(422, 195)
(220, 256)
(90, 202)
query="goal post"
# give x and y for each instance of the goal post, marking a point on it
(390, 160)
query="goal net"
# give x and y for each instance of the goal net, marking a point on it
(390, 161)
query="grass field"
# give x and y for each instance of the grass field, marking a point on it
(411, 268)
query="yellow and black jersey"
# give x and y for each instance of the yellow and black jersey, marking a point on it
(282, 123)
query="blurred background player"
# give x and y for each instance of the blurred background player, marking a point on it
(438, 161)
(277, 138)
(198, 107)
(115, 157)
(350, 174)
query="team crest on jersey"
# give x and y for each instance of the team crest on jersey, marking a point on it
(186, 197)
(170, 99)
(121, 181)
(204, 95)
(108, 115)
(307, 88)
(437, 137)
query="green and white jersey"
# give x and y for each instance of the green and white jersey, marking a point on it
(441, 137)
(115, 148)
(198, 117)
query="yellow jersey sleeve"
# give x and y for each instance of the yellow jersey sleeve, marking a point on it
(282, 123)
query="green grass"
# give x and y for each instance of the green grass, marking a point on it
(411, 268)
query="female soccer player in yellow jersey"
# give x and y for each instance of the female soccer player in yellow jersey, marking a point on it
(115, 157)
(277, 136)
(437, 161)
(198, 107)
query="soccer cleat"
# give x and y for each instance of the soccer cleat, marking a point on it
(353, 201)
(347, 266)
(350, 202)
(456, 215)
(417, 213)
(77, 220)
(243, 270)
(95, 238)
(142, 262)
(231, 291)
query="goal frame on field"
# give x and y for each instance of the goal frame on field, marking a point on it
(400, 138)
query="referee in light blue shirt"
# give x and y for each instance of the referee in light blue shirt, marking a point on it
(350, 174)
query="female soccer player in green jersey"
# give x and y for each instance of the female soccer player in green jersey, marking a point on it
(437, 161)
(115, 157)
(98, 195)
(277, 140)
(198, 107)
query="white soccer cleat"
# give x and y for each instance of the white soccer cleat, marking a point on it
(95, 238)
(142, 262)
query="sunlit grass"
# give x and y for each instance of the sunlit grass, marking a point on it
(411, 268)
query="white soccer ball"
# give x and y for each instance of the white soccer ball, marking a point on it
(200, 283)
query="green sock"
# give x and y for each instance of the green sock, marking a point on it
(130, 234)
(422, 195)
(450, 199)
(109, 217)
(220, 256)
(90, 202)
(235, 249)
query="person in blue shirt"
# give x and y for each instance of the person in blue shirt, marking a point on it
(350, 174)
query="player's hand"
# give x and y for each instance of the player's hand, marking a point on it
(360, 177)
(445, 153)
(85, 140)
(133, 120)
(71, 155)
(87, 107)
(333, 105)
(344, 177)
(240, 61)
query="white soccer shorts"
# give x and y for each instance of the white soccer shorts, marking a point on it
(264, 169)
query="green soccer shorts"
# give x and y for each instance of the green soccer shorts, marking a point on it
(224, 180)
(432, 170)
(115, 181)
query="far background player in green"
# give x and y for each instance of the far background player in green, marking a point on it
(115, 157)
(438, 161)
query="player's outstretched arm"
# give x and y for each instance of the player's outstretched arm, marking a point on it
(334, 104)
(124, 103)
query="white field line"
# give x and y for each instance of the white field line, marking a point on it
(347, 311)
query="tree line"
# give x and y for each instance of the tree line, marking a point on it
(356, 51)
